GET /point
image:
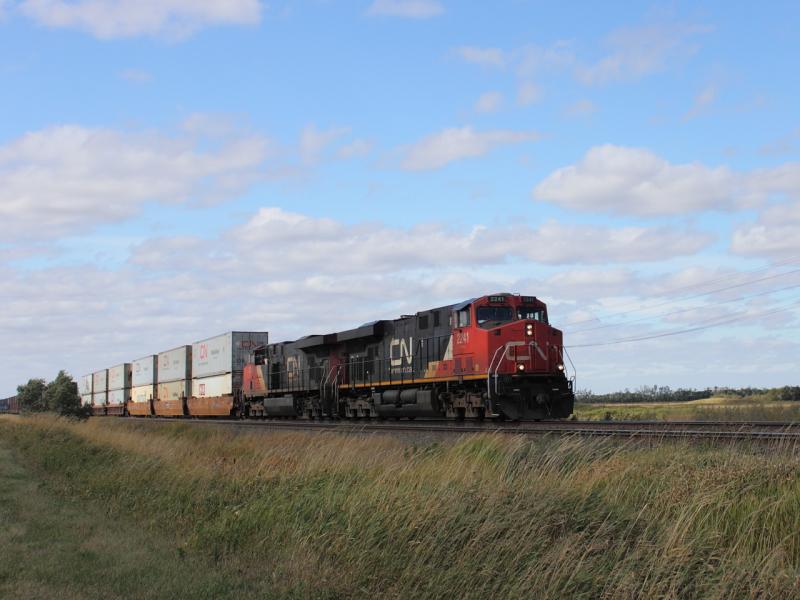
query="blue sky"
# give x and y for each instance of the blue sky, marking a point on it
(173, 170)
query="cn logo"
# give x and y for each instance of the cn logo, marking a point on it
(203, 351)
(202, 389)
(403, 351)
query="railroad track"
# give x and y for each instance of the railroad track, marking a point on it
(716, 430)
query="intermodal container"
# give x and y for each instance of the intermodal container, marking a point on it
(86, 399)
(119, 377)
(216, 385)
(143, 393)
(119, 397)
(226, 353)
(100, 381)
(144, 371)
(175, 364)
(85, 385)
(99, 398)
(174, 390)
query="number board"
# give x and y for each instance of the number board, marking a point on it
(528, 299)
(497, 298)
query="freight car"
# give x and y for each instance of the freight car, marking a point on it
(496, 355)
(9, 405)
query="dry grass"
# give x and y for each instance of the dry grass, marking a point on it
(719, 408)
(328, 515)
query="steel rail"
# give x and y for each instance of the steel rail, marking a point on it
(693, 430)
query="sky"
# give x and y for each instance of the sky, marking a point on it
(172, 170)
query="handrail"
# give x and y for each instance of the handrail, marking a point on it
(489, 370)
(574, 370)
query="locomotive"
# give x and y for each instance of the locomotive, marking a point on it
(494, 356)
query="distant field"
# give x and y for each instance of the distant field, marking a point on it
(112, 509)
(709, 409)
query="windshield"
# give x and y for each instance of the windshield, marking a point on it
(494, 315)
(528, 312)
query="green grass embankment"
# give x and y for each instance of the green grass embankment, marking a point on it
(333, 516)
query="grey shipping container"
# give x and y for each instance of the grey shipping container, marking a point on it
(143, 393)
(100, 381)
(99, 398)
(225, 353)
(144, 371)
(86, 399)
(86, 385)
(175, 364)
(119, 377)
(119, 397)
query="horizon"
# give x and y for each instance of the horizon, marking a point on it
(301, 167)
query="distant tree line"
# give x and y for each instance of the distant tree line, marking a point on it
(59, 396)
(657, 393)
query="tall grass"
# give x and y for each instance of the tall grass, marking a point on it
(330, 515)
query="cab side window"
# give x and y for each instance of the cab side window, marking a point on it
(463, 318)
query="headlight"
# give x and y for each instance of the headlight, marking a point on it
(560, 366)
(520, 367)
(529, 329)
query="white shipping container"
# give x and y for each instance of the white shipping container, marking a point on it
(225, 353)
(86, 399)
(175, 365)
(119, 397)
(85, 385)
(216, 385)
(144, 371)
(174, 390)
(100, 381)
(99, 398)
(143, 393)
(119, 377)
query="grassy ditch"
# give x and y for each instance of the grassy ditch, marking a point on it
(708, 409)
(334, 516)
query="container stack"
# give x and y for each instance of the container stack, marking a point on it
(143, 382)
(99, 391)
(119, 389)
(217, 366)
(174, 381)
(85, 390)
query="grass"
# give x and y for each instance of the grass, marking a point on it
(326, 515)
(708, 409)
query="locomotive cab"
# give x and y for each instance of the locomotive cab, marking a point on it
(523, 356)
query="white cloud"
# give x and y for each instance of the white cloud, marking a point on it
(66, 179)
(639, 51)
(108, 19)
(358, 147)
(702, 101)
(776, 233)
(484, 57)
(636, 181)
(314, 142)
(303, 244)
(411, 9)
(528, 93)
(489, 102)
(580, 108)
(448, 145)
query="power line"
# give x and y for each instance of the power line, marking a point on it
(690, 297)
(716, 323)
(683, 310)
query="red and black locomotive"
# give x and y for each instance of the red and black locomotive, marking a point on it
(494, 356)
